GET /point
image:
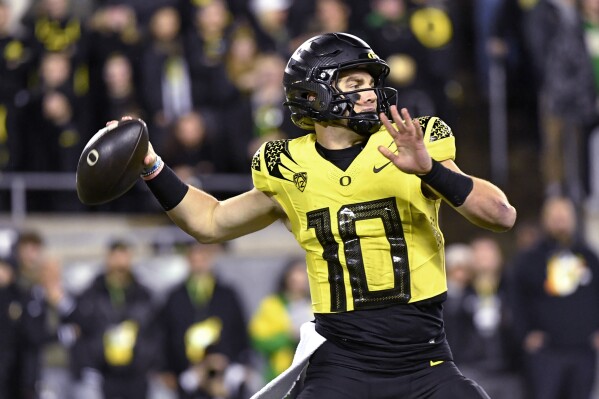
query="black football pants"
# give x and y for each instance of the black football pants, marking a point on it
(331, 381)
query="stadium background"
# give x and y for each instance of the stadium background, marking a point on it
(79, 235)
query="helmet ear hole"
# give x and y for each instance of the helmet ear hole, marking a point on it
(323, 99)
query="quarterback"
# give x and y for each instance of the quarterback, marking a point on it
(361, 193)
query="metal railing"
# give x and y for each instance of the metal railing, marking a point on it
(18, 184)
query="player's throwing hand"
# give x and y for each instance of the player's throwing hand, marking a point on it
(151, 156)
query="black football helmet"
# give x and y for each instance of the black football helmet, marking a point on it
(313, 70)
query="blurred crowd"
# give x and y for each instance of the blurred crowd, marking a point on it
(524, 325)
(116, 337)
(206, 76)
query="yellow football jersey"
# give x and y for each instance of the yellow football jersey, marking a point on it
(371, 237)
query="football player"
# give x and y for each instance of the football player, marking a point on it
(361, 193)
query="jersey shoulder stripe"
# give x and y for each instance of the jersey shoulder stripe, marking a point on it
(256, 161)
(434, 128)
(274, 151)
(438, 137)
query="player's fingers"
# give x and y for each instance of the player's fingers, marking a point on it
(112, 123)
(126, 118)
(388, 125)
(409, 126)
(407, 118)
(151, 156)
(149, 160)
(418, 128)
(397, 118)
(390, 155)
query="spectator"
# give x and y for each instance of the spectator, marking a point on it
(270, 118)
(37, 346)
(51, 26)
(327, 16)
(165, 75)
(51, 104)
(13, 69)
(205, 332)
(262, 109)
(331, 16)
(590, 17)
(555, 290)
(206, 48)
(143, 9)
(54, 336)
(275, 326)
(190, 145)
(28, 258)
(274, 20)
(65, 137)
(418, 43)
(212, 25)
(116, 319)
(477, 317)
(10, 314)
(566, 90)
(494, 366)
(240, 59)
(52, 135)
(115, 43)
(526, 234)
(238, 12)
(114, 29)
(256, 76)
(458, 312)
(120, 96)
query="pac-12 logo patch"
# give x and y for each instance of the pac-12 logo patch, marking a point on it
(300, 179)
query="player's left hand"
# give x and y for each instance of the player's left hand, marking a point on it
(412, 156)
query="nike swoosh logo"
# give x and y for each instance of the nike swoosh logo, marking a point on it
(436, 363)
(377, 170)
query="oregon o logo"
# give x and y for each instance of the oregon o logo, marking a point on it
(345, 181)
(92, 157)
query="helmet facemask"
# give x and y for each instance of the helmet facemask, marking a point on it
(342, 104)
(328, 105)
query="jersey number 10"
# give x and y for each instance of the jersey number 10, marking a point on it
(347, 216)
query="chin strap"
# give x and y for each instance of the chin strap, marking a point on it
(367, 124)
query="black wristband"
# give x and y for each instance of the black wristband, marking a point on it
(168, 189)
(455, 187)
